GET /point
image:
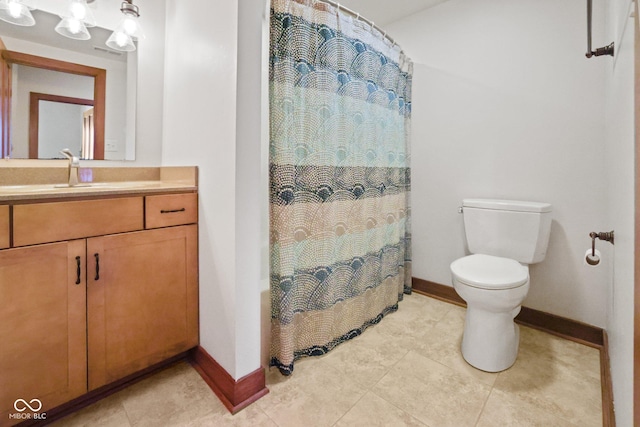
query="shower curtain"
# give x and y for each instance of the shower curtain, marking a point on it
(340, 107)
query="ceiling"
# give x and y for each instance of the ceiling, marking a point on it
(383, 12)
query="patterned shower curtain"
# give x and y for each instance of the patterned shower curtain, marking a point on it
(340, 107)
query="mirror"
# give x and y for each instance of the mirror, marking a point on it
(55, 79)
(46, 63)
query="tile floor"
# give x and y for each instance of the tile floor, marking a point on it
(406, 371)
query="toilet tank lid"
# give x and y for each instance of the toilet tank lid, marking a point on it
(507, 205)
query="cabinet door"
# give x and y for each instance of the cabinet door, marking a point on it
(142, 300)
(42, 326)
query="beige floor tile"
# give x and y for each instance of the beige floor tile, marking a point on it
(108, 412)
(547, 346)
(546, 377)
(251, 416)
(416, 317)
(442, 344)
(506, 410)
(314, 395)
(176, 396)
(367, 358)
(417, 310)
(433, 393)
(373, 411)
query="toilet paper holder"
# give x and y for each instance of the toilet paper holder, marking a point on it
(592, 258)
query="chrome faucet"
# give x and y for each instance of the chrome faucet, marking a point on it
(74, 165)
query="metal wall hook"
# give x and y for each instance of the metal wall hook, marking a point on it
(606, 50)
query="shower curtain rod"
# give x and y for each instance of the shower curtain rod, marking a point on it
(361, 18)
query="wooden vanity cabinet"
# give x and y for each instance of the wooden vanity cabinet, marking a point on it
(142, 301)
(79, 314)
(54, 221)
(42, 325)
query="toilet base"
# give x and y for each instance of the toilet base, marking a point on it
(490, 340)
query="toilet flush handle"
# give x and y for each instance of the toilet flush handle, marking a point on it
(460, 209)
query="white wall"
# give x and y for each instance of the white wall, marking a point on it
(212, 120)
(619, 160)
(265, 283)
(505, 105)
(251, 188)
(199, 129)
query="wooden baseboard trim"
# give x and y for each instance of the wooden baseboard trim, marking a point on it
(437, 291)
(550, 323)
(562, 327)
(100, 393)
(556, 325)
(235, 395)
(608, 414)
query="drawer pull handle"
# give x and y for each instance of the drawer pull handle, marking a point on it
(78, 270)
(172, 211)
(97, 266)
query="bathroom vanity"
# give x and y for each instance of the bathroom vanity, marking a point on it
(97, 283)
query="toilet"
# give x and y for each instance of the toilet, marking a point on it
(504, 237)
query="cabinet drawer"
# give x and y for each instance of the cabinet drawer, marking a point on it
(51, 222)
(4, 227)
(171, 209)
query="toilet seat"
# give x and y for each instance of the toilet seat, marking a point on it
(489, 272)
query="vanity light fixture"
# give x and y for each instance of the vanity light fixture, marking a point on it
(17, 12)
(128, 29)
(75, 20)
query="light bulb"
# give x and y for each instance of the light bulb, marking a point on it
(78, 11)
(15, 9)
(129, 25)
(122, 39)
(74, 26)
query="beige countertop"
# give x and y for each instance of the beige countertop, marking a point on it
(26, 181)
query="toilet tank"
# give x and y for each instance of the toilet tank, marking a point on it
(507, 228)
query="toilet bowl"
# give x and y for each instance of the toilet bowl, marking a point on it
(493, 288)
(505, 237)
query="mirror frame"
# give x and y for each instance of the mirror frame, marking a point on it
(99, 88)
